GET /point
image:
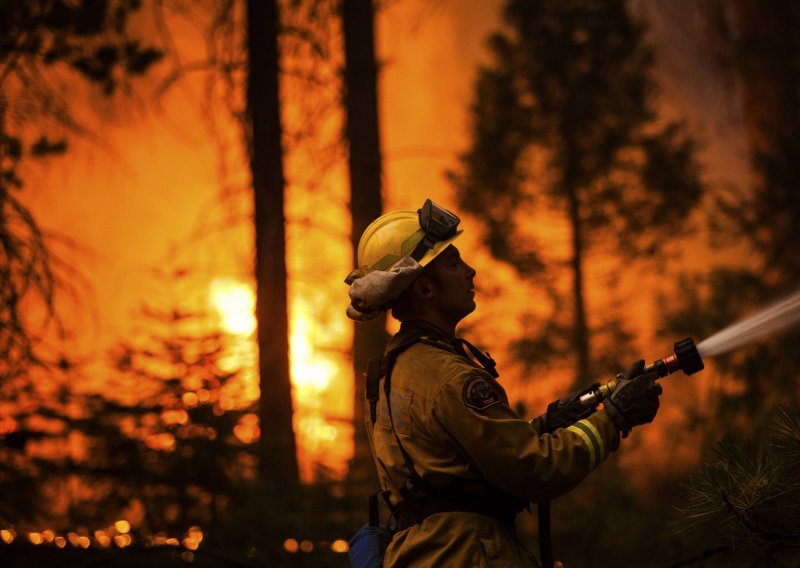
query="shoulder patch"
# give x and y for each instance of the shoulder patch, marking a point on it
(480, 394)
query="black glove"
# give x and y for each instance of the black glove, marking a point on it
(634, 400)
(568, 410)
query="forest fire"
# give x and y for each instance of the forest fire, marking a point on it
(234, 302)
(141, 415)
(316, 377)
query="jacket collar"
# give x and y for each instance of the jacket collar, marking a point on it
(419, 328)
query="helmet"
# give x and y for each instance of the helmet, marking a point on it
(396, 235)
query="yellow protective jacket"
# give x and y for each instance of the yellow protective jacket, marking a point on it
(454, 421)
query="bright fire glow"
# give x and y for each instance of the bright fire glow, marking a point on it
(314, 371)
(317, 380)
(235, 304)
(310, 372)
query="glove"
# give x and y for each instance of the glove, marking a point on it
(568, 410)
(635, 399)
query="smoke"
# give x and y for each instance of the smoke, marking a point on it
(767, 321)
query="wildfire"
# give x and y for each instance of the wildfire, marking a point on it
(235, 303)
(314, 373)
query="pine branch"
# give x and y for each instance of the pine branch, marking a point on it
(749, 492)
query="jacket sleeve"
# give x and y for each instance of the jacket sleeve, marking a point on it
(508, 451)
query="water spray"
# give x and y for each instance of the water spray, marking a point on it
(688, 357)
(772, 319)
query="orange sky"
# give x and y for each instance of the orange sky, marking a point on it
(152, 200)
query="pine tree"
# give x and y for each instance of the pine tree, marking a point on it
(563, 120)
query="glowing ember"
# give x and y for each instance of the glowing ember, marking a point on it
(247, 429)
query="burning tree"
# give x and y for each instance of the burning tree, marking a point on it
(165, 450)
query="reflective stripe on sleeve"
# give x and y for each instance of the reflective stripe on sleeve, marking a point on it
(589, 434)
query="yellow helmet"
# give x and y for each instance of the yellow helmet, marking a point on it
(398, 234)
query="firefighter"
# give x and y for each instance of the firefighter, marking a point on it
(456, 463)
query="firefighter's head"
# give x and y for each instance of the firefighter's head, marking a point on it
(443, 292)
(407, 262)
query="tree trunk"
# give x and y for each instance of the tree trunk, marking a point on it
(361, 101)
(580, 326)
(277, 451)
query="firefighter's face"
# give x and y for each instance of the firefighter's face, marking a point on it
(453, 285)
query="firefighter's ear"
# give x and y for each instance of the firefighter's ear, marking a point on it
(423, 287)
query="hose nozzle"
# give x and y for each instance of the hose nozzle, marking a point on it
(685, 358)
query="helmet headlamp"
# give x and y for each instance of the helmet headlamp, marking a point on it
(438, 224)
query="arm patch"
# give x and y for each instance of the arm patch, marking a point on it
(480, 394)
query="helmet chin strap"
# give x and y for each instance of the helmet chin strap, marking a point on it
(426, 244)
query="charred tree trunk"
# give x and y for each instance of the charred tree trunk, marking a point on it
(361, 101)
(277, 451)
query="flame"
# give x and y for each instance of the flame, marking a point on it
(314, 374)
(317, 380)
(235, 303)
(311, 374)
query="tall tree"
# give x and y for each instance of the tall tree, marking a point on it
(277, 449)
(563, 119)
(361, 103)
